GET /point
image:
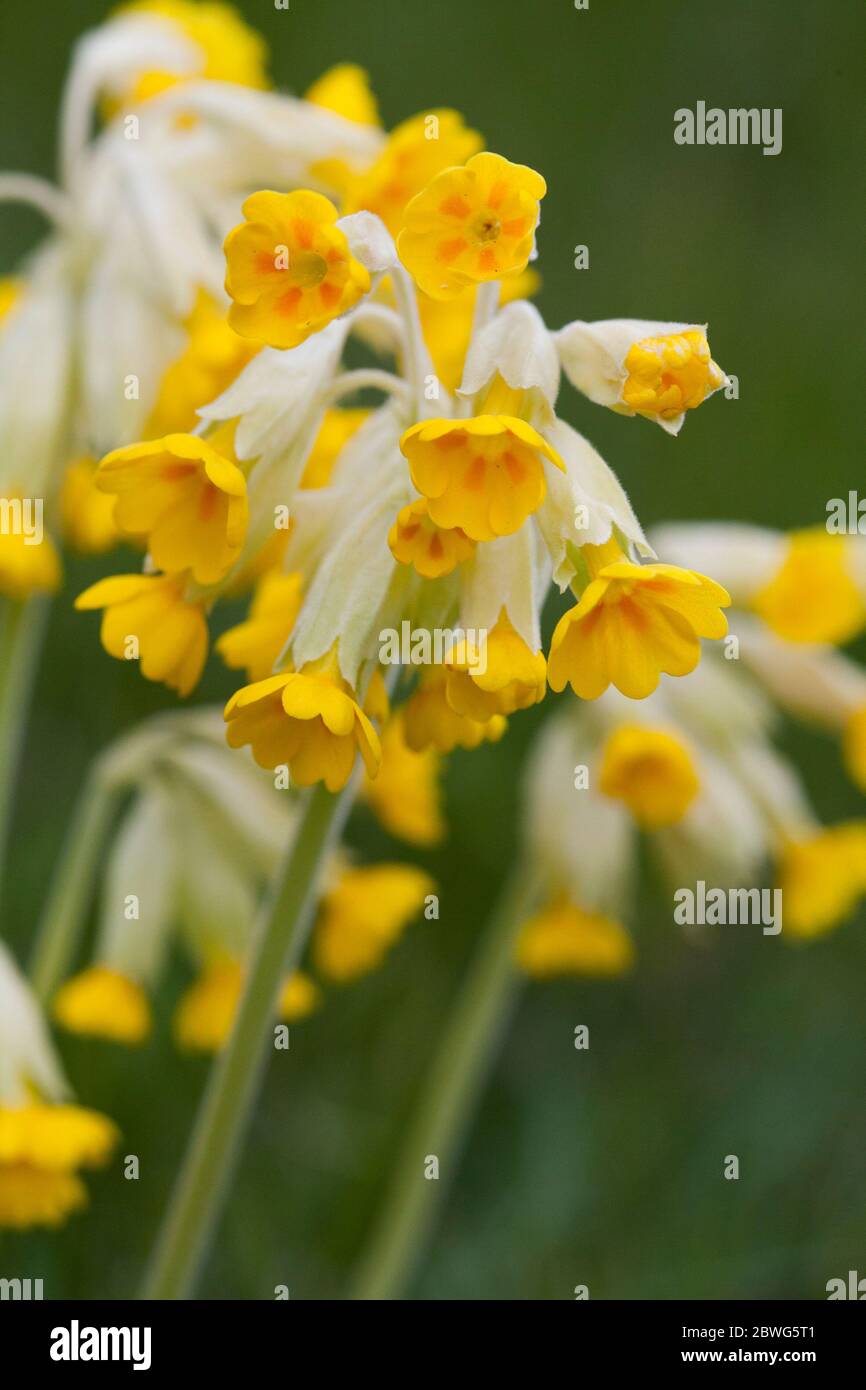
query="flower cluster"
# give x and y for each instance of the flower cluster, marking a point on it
(449, 506)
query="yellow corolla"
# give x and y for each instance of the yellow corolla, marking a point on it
(41, 1147)
(206, 1013)
(632, 623)
(470, 225)
(87, 514)
(415, 539)
(651, 771)
(185, 496)
(289, 270)
(101, 1002)
(665, 376)
(822, 876)
(212, 357)
(509, 677)
(814, 596)
(148, 618)
(28, 566)
(364, 914)
(563, 939)
(484, 475)
(308, 720)
(431, 722)
(345, 89)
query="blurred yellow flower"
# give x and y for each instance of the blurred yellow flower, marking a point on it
(431, 722)
(822, 877)
(206, 1013)
(364, 915)
(102, 1003)
(336, 430)
(255, 644)
(86, 513)
(651, 771)
(405, 793)
(147, 617)
(211, 359)
(814, 596)
(564, 940)
(416, 151)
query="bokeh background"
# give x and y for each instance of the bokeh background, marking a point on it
(603, 1168)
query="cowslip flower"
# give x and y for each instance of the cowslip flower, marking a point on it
(204, 1017)
(632, 623)
(471, 224)
(432, 722)
(415, 539)
(483, 475)
(639, 367)
(186, 496)
(45, 1139)
(289, 268)
(363, 915)
(149, 617)
(793, 597)
(510, 677)
(308, 720)
(652, 771)
(562, 939)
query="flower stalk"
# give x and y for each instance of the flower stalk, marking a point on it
(225, 1112)
(448, 1100)
(21, 628)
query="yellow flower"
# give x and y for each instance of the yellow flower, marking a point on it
(431, 722)
(855, 746)
(564, 940)
(27, 568)
(41, 1146)
(289, 269)
(87, 514)
(405, 793)
(206, 1013)
(484, 475)
(416, 151)
(186, 496)
(470, 225)
(147, 616)
(514, 677)
(336, 430)
(666, 376)
(256, 644)
(651, 771)
(213, 356)
(308, 720)
(813, 597)
(363, 916)
(416, 540)
(345, 89)
(632, 623)
(822, 877)
(230, 51)
(103, 1003)
(447, 325)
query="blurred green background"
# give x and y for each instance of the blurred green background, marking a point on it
(603, 1168)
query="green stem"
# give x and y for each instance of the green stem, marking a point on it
(71, 888)
(236, 1076)
(21, 629)
(443, 1114)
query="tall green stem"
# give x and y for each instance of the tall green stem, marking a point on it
(71, 888)
(21, 629)
(444, 1111)
(236, 1076)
